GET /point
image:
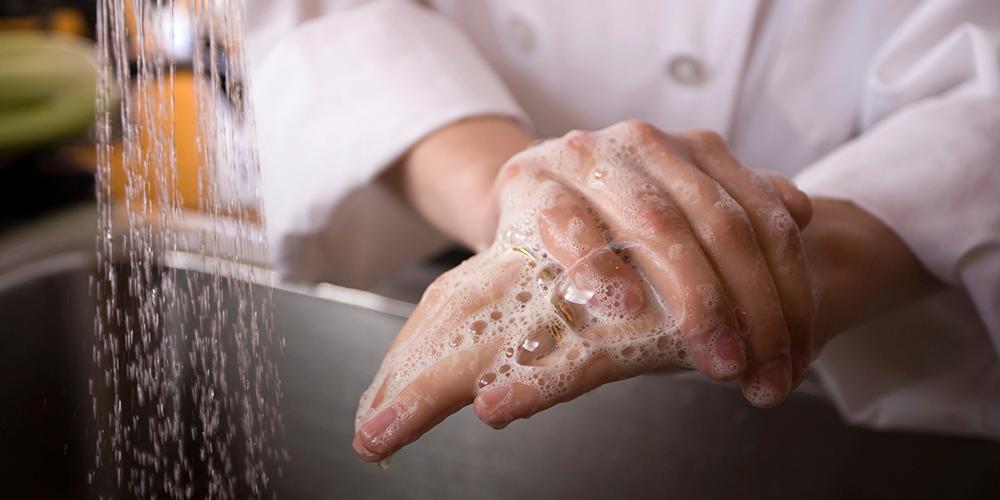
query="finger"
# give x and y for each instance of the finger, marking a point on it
(503, 404)
(436, 393)
(669, 253)
(798, 204)
(573, 237)
(500, 406)
(781, 244)
(728, 238)
(414, 389)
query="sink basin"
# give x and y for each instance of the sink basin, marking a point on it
(649, 437)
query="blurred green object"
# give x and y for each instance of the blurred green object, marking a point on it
(47, 88)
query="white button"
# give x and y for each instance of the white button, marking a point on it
(522, 34)
(686, 70)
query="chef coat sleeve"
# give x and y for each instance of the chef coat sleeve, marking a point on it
(927, 160)
(338, 98)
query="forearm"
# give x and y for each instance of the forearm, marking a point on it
(860, 267)
(449, 175)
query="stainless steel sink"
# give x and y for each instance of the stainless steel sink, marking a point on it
(650, 437)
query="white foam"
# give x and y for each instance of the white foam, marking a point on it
(515, 298)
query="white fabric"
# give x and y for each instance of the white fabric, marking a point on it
(893, 104)
(340, 97)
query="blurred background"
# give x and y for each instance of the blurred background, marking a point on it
(47, 80)
(48, 135)
(48, 74)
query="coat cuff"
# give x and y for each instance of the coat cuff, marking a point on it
(929, 173)
(340, 98)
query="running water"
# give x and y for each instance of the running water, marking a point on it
(187, 402)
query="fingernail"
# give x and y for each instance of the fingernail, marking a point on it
(727, 354)
(493, 398)
(770, 384)
(363, 452)
(377, 425)
(490, 403)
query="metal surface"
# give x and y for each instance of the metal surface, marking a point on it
(649, 437)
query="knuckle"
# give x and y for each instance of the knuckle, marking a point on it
(638, 126)
(786, 232)
(726, 204)
(435, 290)
(516, 176)
(762, 183)
(708, 139)
(643, 131)
(688, 191)
(732, 230)
(575, 139)
(702, 310)
(659, 219)
(779, 226)
(514, 166)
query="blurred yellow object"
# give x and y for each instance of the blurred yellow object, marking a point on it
(61, 20)
(67, 20)
(21, 24)
(182, 125)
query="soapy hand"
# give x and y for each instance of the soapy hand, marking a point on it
(617, 252)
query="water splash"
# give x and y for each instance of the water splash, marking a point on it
(187, 402)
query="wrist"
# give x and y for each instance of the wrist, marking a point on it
(448, 176)
(861, 268)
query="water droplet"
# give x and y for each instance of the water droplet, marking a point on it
(487, 379)
(575, 295)
(539, 343)
(478, 327)
(455, 341)
(529, 345)
(662, 343)
(514, 236)
(548, 273)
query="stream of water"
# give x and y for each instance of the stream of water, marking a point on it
(187, 404)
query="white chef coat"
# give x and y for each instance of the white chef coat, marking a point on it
(892, 104)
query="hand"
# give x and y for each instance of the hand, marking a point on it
(713, 276)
